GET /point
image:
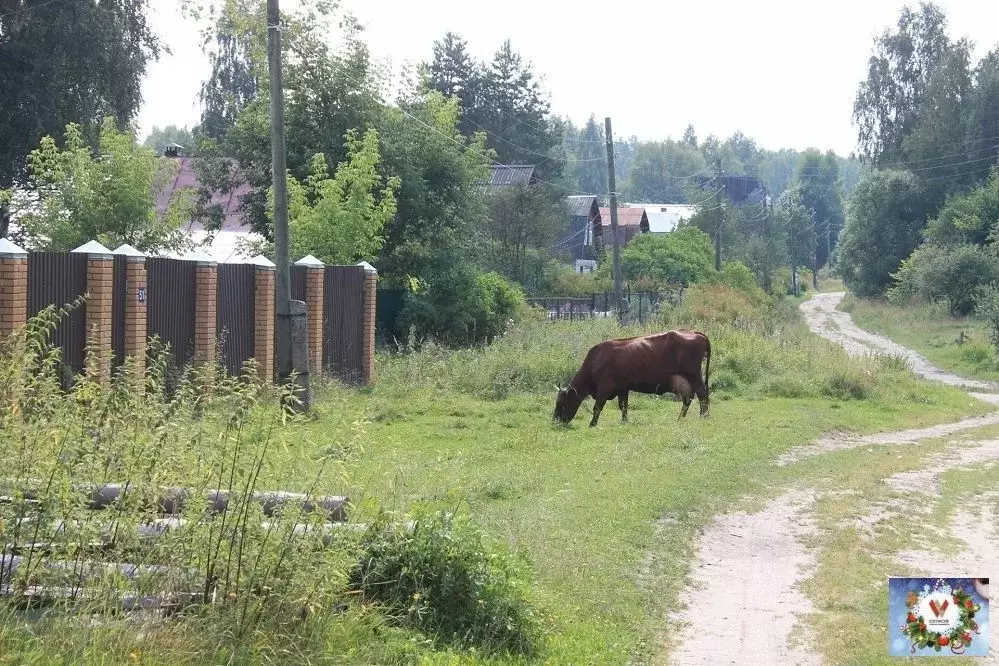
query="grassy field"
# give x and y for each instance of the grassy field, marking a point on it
(958, 345)
(599, 521)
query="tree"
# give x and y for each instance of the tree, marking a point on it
(77, 196)
(983, 113)
(67, 62)
(682, 257)
(660, 172)
(440, 212)
(885, 216)
(337, 217)
(159, 138)
(327, 93)
(235, 78)
(795, 221)
(523, 223)
(503, 99)
(454, 73)
(589, 157)
(821, 194)
(968, 218)
(690, 136)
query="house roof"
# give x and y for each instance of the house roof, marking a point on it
(504, 175)
(741, 190)
(582, 205)
(186, 177)
(627, 216)
(664, 218)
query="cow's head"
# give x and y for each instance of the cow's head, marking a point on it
(567, 403)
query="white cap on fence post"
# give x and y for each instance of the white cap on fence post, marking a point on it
(368, 268)
(93, 248)
(8, 249)
(260, 261)
(129, 251)
(310, 262)
(201, 257)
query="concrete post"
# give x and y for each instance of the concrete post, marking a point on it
(263, 316)
(368, 324)
(13, 287)
(315, 273)
(100, 280)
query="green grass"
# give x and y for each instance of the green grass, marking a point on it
(929, 330)
(603, 520)
(850, 586)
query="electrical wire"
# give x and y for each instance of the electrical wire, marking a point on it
(28, 9)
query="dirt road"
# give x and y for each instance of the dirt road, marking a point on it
(749, 567)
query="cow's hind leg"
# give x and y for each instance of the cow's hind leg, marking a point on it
(622, 403)
(598, 405)
(697, 384)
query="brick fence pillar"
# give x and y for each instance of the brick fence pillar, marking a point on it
(315, 273)
(206, 310)
(100, 281)
(368, 324)
(135, 310)
(13, 287)
(263, 316)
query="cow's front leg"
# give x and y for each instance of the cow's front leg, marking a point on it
(687, 399)
(622, 403)
(597, 406)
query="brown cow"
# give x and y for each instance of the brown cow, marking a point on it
(658, 364)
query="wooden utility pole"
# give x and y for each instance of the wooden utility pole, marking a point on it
(291, 337)
(612, 188)
(721, 215)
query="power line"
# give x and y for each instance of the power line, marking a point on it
(532, 152)
(30, 8)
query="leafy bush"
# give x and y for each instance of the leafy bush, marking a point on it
(968, 218)
(683, 256)
(738, 276)
(570, 284)
(463, 305)
(953, 275)
(441, 579)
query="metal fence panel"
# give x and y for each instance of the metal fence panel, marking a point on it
(298, 288)
(59, 278)
(118, 298)
(343, 293)
(171, 301)
(235, 299)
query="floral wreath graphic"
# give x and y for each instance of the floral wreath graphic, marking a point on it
(960, 635)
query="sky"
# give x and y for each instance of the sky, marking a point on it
(783, 72)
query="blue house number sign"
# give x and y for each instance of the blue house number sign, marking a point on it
(142, 294)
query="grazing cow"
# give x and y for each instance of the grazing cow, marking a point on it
(661, 363)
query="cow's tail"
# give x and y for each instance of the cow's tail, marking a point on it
(707, 366)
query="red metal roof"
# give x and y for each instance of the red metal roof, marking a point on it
(626, 217)
(187, 178)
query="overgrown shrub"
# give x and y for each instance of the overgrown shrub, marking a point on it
(441, 578)
(953, 275)
(738, 276)
(463, 306)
